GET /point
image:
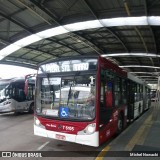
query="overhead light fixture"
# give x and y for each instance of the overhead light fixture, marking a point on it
(83, 25)
(27, 40)
(139, 66)
(1, 57)
(125, 21)
(52, 32)
(154, 20)
(146, 76)
(155, 73)
(131, 54)
(8, 50)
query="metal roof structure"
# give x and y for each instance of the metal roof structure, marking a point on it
(125, 31)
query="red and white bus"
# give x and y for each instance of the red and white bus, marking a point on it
(83, 100)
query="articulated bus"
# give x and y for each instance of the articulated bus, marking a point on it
(15, 97)
(139, 97)
(85, 100)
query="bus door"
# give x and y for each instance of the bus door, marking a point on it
(106, 105)
(131, 100)
(106, 101)
(20, 97)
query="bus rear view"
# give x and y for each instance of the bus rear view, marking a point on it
(70, 102)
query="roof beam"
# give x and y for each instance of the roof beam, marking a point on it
(153, 36)
(68, 8)
(16, 22)
(30, 31)
(146, 13)
(138, 32)
(136, 29)
(109, 30)
(38, 50)
(76, 36)
(19, 64)
(14, 13)
(33, 10)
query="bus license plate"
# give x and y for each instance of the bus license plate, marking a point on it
(60, 137)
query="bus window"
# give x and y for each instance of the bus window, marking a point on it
(19, 92)
(8, 91)
(30, 91)
(124, 91)
(117, 92)
(108, 95)
(107, 78)
(102, 94)
(21, 95)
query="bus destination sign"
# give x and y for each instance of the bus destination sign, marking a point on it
(68, 66)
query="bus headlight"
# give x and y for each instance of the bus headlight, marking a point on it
(7, 102)
(38, 123)
(89, 129)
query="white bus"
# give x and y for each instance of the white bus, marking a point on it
(139, 94)
(15, 96)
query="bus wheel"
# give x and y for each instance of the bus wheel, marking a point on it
(31, 108)
(120, 124)
(16, 113)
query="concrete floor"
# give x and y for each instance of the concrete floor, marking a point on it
(16, 134)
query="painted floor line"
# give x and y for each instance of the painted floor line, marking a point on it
(126, 130)
(102, 153)
(139, 136)
(42, 146)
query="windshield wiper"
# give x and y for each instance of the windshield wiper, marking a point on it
(69, 93)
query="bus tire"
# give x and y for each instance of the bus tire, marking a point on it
(120, 124)
(15, 113)
(31, 108)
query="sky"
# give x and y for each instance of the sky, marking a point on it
(10, 71)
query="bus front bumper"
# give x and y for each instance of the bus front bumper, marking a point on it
(90, 140)
(4, 109)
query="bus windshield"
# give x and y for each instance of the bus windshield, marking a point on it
(70, 97)
(3, 87)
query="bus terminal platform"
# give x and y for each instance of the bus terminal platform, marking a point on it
(142, 136)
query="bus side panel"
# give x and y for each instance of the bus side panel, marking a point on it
(107, 131)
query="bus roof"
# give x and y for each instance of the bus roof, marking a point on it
(134, 78)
